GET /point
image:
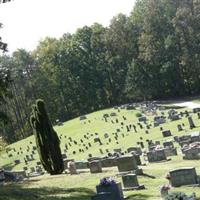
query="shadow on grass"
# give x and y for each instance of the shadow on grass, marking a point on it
(13, 192)
(139, 197)
(8, 167)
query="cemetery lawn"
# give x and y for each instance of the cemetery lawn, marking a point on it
(82, 186)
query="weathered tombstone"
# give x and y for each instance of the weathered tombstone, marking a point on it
(113, 114)
(66, 161)
(25, 168)
(156, 156)
(108, 162)
(19, 174)
(191, 123)
(142, 145)
(166, 133)
(183, 176)
(97, 139)
(168, 144)
(81, 164)
(72, 168)
(170, 152)
(95, 167)
(135, 149)
(142, 119)
(111, 192)
(32, 169)
(83, 117)
(130, 182)
(137, 158)
(106, 135)
(191, 154)
(17, 162)
(126, 163)
(134, 127)
(124, 118)
(196, 110)
(117, 150)
(179, 127)
(101, 151)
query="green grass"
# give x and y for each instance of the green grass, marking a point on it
(82, 186)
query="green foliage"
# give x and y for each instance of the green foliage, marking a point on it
(47, 141)
(152, 54)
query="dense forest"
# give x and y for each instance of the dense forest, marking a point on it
(154, 53)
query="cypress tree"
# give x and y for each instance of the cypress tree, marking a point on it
(47, 141)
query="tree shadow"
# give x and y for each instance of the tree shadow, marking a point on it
(139, 197)
(17, 192)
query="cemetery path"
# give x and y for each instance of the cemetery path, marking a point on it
(188, 104)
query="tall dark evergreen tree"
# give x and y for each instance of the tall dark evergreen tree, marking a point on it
(48, 143)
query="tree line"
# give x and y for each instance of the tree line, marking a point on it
(154, 53)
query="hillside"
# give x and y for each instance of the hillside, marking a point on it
(83, 132)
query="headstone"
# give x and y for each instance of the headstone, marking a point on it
(130, 182)
(179, 127)
(191, 123)
(135, 149)
(183, 176)
(126, 163)
(170, 152)
(66, 161)
(137, 158)
(117, 150)
(72, 168)
(166, 133)
(168, 144)
(95, 167)
(113, 192)
(108, 162)
(196, 110)
(142, 119)
(191, 154)
(81, 164)
(156, 156)
(83, 117)
(17, 162)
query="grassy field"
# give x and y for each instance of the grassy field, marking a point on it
(82, 186)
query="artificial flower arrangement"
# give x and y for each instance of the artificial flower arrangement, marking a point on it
(107, 181)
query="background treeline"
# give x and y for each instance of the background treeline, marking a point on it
(153, 53)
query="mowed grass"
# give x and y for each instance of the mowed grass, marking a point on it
(82, 186)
